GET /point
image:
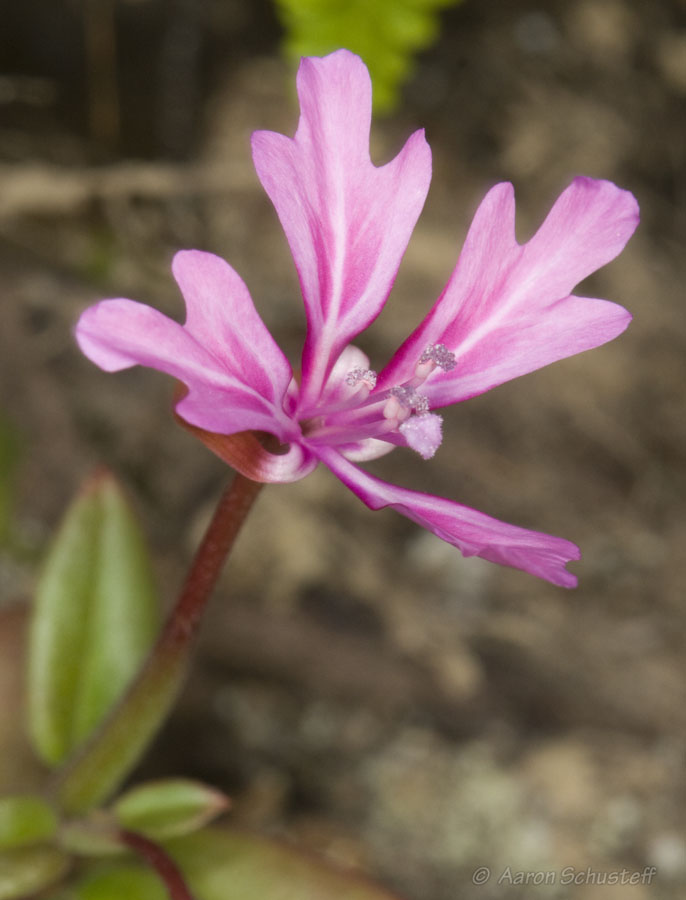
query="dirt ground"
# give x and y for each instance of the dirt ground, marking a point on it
(361, 689)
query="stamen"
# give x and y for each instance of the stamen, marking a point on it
(440, 355)
(357, 375)
(421, 404)
(409, 399)
(403, 395)
(404, 400)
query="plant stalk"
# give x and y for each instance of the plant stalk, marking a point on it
(160, 861)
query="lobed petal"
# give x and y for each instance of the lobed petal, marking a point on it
(472, 532)
(118, 334)
(222, 318)
(347, 221)
(507, 308)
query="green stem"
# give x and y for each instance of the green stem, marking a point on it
(98, 768)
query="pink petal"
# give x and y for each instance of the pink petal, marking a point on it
(472, 532)
(222, 318)
(507, 309)
(117, 334)
(347, 222)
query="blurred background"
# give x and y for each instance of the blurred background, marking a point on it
(361, 689)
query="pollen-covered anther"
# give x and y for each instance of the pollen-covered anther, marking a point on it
(420, 404)
(403, 401)
(359, 375)
(440, 356)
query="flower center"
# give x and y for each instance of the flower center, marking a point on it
(359, 413)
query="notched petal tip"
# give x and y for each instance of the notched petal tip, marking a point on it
(610, 212)
(94, 332)
(597, 185)
(339, 62)
(545, 556)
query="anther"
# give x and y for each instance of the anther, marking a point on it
(409, 399)
(359, 375)
(440, 355)
(421, 404)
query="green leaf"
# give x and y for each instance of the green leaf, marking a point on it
(26, 871)
(169, 808)
(95, 617)
(25, 820)
(385, 33)
(118, 881)
(226, 865)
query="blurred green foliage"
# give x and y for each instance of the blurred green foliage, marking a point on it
(224, 865)
(385, 33)
(95, 618)
(169, 807)
(25, 820)
(27, 870)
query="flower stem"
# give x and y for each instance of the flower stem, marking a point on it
(94, 772)
(160, 861)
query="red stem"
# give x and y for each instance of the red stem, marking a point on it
(160, 861)
(232, 509)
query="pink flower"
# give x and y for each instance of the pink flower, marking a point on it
(506, 310)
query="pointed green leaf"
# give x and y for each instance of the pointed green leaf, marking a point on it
(125, 611)
(25, 820)
(59, 628)
(95, 617)
(169, 808)
(26, 871)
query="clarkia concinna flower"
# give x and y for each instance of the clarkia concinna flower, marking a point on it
(506, 310)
